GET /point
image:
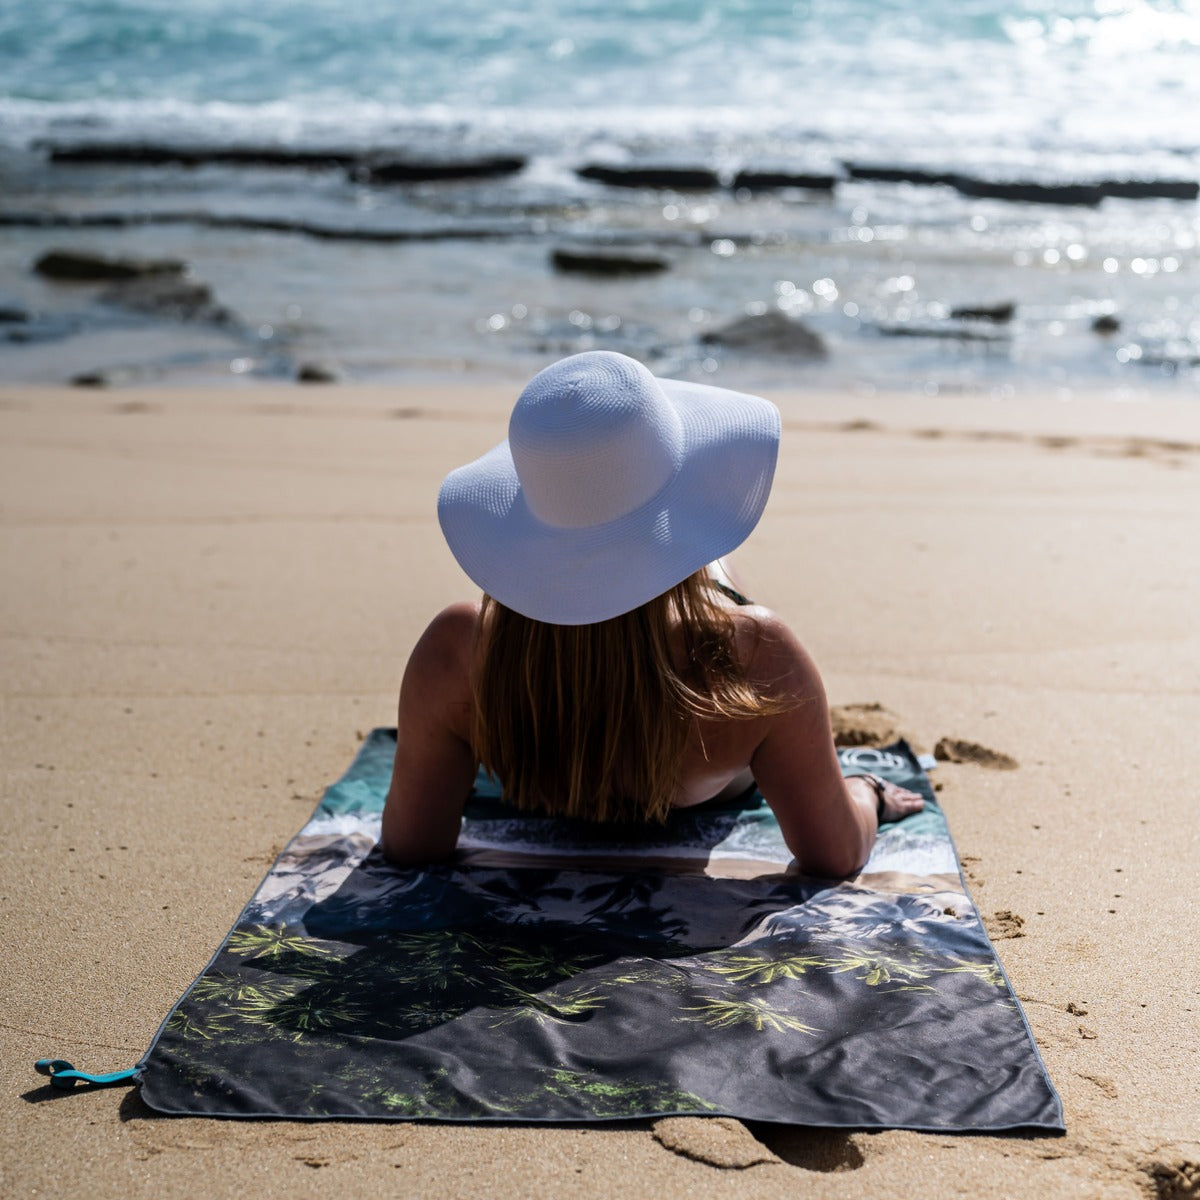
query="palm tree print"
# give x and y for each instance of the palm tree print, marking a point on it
(986, 972)
(267, 943)
(191, 1026)
(722, 1013)
(561, 1009)
(240, 994)
(308, 1014)
(877, 969)
(755, 969)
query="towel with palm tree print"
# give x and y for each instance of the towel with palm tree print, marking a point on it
(557, 971)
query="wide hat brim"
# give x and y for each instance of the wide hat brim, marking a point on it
(578, 576)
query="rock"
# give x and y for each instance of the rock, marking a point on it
(319, 372)
(607, 260)
(759, 181)
(75, 220)
(168, 296)
(105, 377)
(649, 175)
(899, 174)
(86, 266)
(962, 333)
(1085, 191)
(412, 170)
(769, 333)
(1030, 191)
(160, 154)
(1106, 323)
(999, 314)
(1151, 189)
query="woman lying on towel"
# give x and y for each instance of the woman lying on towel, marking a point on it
(611, 671)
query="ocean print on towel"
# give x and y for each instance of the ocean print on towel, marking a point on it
(558, 972)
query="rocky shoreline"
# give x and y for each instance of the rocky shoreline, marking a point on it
(386, 166)
(587, 239)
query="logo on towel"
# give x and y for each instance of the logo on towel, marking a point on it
(870, 759)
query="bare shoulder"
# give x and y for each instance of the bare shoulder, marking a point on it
(771, 654)
(437, 679)
(450, 636)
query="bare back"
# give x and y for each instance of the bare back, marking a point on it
(790, 755)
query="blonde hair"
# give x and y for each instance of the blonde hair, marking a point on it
(592, 721)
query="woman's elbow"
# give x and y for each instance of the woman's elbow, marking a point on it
(408, 851)
(831, 862)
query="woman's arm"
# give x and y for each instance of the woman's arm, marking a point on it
(829, 823)
(435, 767)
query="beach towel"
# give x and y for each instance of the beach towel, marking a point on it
(558, 972)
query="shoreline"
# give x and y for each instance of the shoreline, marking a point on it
(369, 272)
(211, 594)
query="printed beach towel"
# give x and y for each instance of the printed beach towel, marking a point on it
(554, 971)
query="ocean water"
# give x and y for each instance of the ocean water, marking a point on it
(947, 78)
(1078, 90)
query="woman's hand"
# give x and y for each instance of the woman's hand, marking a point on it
(893, 803)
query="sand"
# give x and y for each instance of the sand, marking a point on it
(208, 596)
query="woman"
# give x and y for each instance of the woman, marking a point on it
(611, 672)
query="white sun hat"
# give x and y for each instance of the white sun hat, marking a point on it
(612, 487)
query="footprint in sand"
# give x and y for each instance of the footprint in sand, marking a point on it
(863, 725)
(1178, 1179)
(1004, 924)
(717, 1141)
(1103, 1082)
(957, 750)
(823, 1150)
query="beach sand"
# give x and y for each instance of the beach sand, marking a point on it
(209, 596)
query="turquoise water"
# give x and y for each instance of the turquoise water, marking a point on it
(962, 77)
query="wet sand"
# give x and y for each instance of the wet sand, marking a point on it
(209, 595)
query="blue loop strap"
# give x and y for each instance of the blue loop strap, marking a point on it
(64, 1076)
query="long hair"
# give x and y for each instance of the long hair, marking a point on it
(592, 721)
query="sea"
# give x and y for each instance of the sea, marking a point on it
(973, 196)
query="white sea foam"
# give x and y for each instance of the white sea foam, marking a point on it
(1038, 82)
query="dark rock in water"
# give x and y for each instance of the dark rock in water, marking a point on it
(999, 314)
(84, 266)
(411, 170)
(899, 174)
(1084, 191)
(607, 260)
(768, 333)
(168, 296)
(319, 372)
(441, 228)
(646, 175)
(950, 330)
(1106, 323)
(13, 316)
(105, 377)
(1030, 191)
(156, 154)
(1152, 189)
(90, 220)
(760, 181)
(41, 327)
